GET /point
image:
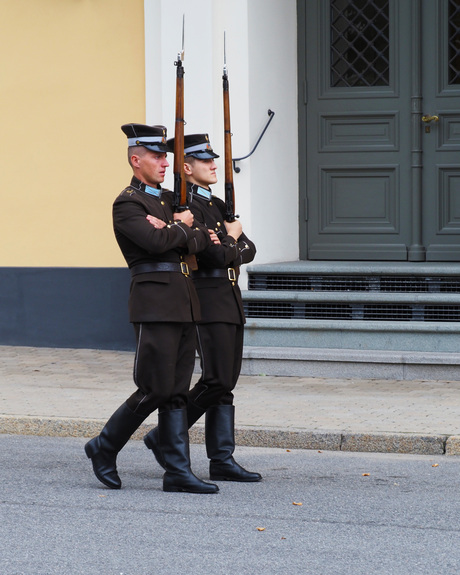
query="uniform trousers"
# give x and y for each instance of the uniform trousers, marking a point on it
(220, 347)
(163, 366)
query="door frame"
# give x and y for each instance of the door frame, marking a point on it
(415, 249)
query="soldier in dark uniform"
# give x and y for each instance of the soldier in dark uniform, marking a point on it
(163, 306)
(220, 330)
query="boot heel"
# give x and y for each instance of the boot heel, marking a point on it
(172, 489)
(214, 477)
(90, 448)
(148, 442)
(154, 447)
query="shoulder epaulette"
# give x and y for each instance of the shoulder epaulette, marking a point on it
(128, 191)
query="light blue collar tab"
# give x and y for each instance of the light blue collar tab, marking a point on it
(204, 193)
(153, 191)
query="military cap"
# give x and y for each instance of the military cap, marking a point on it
(196, 145)
(151, 137)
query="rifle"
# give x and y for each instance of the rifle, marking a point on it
(180, 187)
(229, 189)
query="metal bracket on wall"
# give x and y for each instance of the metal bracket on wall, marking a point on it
(237, 169)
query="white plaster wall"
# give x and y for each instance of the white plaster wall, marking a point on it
(163, 32)
(262, 67)
(272, 53)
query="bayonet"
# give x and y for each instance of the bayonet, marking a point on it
(225, 74)
(181, 54)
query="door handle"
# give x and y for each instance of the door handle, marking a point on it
(427, 119)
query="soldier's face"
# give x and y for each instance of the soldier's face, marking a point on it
(150, 167)
(201, 172)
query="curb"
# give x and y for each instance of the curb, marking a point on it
(407, 443)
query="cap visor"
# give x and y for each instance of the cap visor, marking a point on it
(204, 155)
(157, 148)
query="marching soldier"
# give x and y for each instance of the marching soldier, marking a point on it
(220, 329)
(163, 306)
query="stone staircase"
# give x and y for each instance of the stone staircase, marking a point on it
(397, 320)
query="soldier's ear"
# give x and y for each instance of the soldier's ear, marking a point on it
(188, 169)
(135, 160)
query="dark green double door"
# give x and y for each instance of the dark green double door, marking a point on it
(379, 135)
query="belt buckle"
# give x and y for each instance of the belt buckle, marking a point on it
(231, 274)
(184, 268)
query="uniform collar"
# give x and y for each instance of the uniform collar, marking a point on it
(201, 192)
(135, 183)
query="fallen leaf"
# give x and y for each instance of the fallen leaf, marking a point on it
(288, 450)
(435, 465)
(260, 528)
(294, 503)
(366, 474)
(283, 537)
(320, 451)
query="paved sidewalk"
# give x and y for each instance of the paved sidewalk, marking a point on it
(49, 391)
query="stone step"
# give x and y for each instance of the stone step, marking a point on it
(353, 319)
(351, 363)
(358, 268)
(415, 336)
(355, 276)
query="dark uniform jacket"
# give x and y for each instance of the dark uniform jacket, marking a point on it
(159, 296)
(220, 298)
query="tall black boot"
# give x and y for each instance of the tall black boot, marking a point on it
(174, 445)
(220, 445)
(194, 412)
(103, 449)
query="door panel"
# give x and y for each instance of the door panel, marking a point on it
(379, 183)
(441, 138)
(355, 144)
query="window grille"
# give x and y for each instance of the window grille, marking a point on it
(454, 42)
(360, 43)
(352, 283)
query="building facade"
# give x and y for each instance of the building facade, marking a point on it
(356, 175)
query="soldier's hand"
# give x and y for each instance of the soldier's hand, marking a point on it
(156, 223)
(186, 217)
(234, 229)
(214, 237)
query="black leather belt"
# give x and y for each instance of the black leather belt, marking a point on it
(227, 273)
(180, 267)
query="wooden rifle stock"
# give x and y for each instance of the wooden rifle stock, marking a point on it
(180, 188)
(229, 189)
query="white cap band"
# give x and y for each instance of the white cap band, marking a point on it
(145, 140)
(197, 148)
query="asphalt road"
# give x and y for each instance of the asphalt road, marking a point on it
(328, 513)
